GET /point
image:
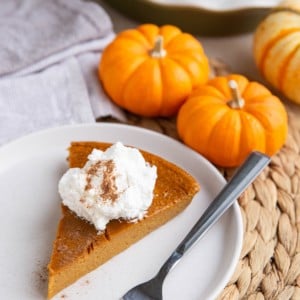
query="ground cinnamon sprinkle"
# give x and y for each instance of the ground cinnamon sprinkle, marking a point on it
(109, 188)
(92, 171)
(108, 185)
(40, 276)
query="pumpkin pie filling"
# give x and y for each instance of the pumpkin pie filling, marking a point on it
(79, 248)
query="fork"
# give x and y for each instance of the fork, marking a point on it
(242, 178)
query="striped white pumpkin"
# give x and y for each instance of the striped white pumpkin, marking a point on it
(277, 48)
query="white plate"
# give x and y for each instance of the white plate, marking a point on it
(220, 5)
(30, 210)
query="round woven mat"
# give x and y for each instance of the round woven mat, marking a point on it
(269, 265)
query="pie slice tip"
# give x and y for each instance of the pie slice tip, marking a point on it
(78, 248)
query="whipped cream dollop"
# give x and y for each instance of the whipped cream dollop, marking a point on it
(113, 184)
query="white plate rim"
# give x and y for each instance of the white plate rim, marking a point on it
(102, 125)
(233, 7)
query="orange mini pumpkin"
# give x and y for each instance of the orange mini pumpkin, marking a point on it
(151, 70)
(229, 117)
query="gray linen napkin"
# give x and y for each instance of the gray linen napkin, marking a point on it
(38, 102)
(49, 53)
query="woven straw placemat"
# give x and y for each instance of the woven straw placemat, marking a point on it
(269, 265)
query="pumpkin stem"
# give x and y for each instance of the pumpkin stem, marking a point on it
(237, 100)
(158, 51)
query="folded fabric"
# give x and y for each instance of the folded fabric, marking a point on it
(33, 103)
(49, 52)
(36, 33)
(101, 105)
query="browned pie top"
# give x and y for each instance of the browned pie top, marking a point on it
(172, 185)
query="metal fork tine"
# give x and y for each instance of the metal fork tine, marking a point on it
(151, 290)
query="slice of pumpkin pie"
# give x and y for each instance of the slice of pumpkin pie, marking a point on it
(112, 196)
